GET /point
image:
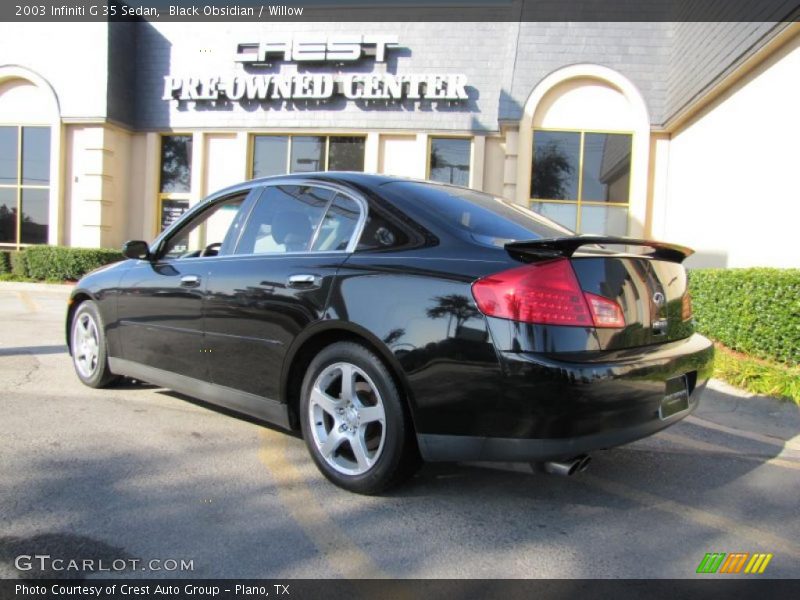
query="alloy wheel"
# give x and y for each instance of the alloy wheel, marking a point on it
(85, 345)
(347, 417)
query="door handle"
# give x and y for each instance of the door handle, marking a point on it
(190, 281)
(303, 280)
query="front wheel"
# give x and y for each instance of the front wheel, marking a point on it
(354, 421)
(88, 346)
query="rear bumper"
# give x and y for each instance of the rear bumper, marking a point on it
(557, 407)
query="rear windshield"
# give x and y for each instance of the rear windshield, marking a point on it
(488, 219)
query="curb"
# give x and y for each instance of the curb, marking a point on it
(24, 286)
(729, 406)
(723, 387)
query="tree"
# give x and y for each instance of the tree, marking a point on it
(453, 306)
(551, 170)
(176, 160)
(393, 336)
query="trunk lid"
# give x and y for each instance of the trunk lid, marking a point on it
(650, 293)
(648, 286)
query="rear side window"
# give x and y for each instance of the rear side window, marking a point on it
(380, 233)
(284, 219)
(338, 225)
(489, 220)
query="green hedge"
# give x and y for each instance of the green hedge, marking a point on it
(5, 262)
(56, 262)
(19, 264)
(756, 311)
(12, 261)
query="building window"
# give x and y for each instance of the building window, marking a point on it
(176, 178)
(346, 153)
(581, 179)
(24, 184)
(449, 160)
(281, 154)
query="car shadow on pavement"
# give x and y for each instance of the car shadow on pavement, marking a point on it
(16, 351)
(225, 412)
(650, 509)
(90, 500)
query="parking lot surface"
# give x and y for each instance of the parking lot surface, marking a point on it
(140, 473)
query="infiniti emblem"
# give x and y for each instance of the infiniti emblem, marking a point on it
(658, 298)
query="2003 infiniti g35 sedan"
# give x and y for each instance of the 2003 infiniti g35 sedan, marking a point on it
(393, 320)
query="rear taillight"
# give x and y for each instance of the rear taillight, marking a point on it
(605, 312)
(547, 293)
(686, 307)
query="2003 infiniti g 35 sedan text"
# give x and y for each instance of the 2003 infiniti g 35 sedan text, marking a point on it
(393, 320)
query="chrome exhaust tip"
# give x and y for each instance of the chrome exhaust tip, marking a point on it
(565, 468)
(584, 464)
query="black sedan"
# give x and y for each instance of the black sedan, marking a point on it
(392, 320)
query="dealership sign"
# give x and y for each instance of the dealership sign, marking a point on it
(341, 51)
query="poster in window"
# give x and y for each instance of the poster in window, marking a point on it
(171, 211)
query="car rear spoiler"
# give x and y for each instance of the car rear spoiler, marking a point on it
(566, 247)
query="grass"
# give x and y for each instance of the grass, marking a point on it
(12, 277)
(19, 278)
(756, 375)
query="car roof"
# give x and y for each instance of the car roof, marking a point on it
(355, 178)
(369, 179)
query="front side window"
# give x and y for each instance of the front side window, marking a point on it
(282, 154)
(581, 179)
(176, 178)
(24, 184)
(208, 234)
(449, 160)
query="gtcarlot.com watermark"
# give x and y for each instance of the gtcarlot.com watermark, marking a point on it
(46, 562)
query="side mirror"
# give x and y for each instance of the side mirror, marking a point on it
(136, 249)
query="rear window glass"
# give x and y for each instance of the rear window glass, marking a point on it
(488, 219)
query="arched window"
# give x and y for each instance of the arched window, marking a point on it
(584, 147)
(26, 113)
(24, 184)
(581, 179)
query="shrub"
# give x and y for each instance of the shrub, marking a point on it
(755, 311)
(5, 262)
(60, 263)
(13, 264)
(19, 264)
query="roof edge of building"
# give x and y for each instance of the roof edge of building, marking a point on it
(745, 64)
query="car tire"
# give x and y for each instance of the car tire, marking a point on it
(88, 347)
(360, 436)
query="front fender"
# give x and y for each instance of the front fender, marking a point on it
(101, 286)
